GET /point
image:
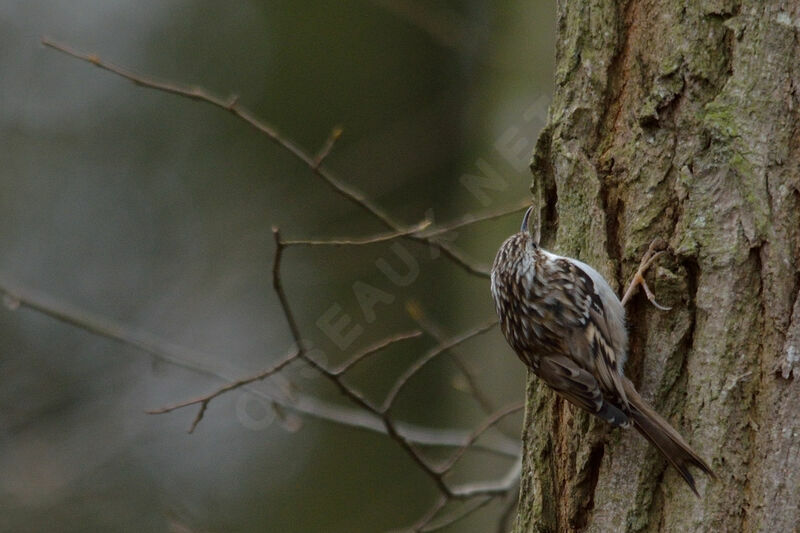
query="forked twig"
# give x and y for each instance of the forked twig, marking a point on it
(182, 357)
(233, 106)
(475, 495)
(203, 401)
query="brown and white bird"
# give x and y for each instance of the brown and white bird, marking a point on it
(566, 324)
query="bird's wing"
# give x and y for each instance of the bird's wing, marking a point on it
(579, 387)
(574, 300)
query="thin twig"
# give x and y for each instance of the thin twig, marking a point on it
(487, 488)
(205, 400)
(468, 220)
(465, 492)
(478, 493)
(382, 237)
(421, 229)
(232, 106)
(434, 330)
(444, 26)
(103, 327)
(188, 359)
(343, 387)
(401, 382)
(228, 387)
(278, 287)
(504, 523)
(487, 424)
(467, 509)
(328, 146)
(353, 361)
(429, 515)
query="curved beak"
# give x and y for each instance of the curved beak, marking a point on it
(525, 227)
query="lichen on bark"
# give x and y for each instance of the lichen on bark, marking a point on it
(678, 120)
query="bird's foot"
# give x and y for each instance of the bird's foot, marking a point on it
(655, 249)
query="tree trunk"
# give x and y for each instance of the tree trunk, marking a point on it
(678, 120)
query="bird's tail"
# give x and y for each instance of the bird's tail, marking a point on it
(668, 441)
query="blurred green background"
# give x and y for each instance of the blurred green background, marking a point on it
(154, 212)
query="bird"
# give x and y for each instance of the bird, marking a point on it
(567, 325)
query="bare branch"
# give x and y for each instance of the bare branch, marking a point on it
(488, 424)
(499, 487)
(495, 443)
(444, 26)
(477, 495)
(466, 510)
(353, 361)
(510, 505)
(205, 400)
(103, 327)
(231, 105)
(278, 286)
(355, 396)
(429, 356)
(468, 220)
(425, 519)
(416, 312)
(382, 237)
(188, 359)
(420, 229)
(229, 387)
(364, 413)
(486, 492)
(328, 146)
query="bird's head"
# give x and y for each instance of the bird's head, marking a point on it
(518, 251)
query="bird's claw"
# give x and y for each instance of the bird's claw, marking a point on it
(653, 253)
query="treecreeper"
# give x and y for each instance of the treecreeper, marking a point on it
(565, 323)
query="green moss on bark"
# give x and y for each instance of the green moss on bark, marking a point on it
(677, 120)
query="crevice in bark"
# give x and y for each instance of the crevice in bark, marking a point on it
(667, 110)
(722, 16)
(590, 483)
(681, 111)
(650, 501)
(637, 331)
(550, 215)
(544, 180)
(612, 207)
(617, 79)
(747, 489)
(617, 75)
(561, 459)
(692, 279)
(709, 87)
(686, 343)
(796, 252)
(680, 359)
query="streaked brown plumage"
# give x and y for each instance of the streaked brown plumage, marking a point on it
(566, 324)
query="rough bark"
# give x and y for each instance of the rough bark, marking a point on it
(678, 120)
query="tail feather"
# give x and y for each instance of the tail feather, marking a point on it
(668, 441)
